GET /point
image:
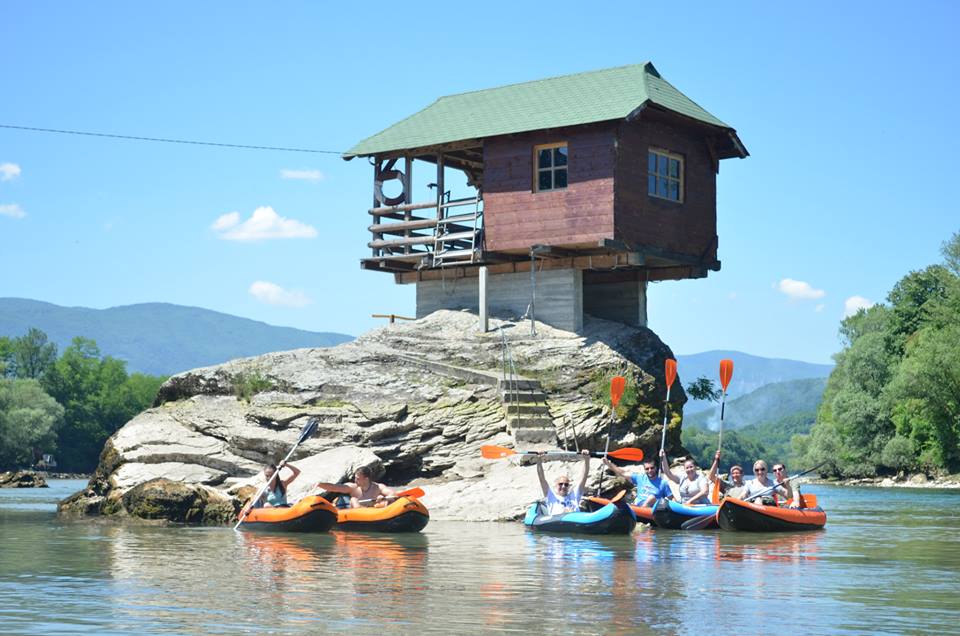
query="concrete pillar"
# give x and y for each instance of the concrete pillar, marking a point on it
(484, 321)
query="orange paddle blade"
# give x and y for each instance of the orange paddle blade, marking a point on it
(726, 372)
(628, 454)
(671, 371)
(617, 385)
(496, 452)
(413, 493)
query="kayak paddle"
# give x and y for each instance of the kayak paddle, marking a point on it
(698, 523)
(307, 431)
(670, 374)
(726, 372)
(412, 493)
(617, 386)
(499, 452)
(782, 482)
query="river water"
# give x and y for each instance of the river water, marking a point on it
(887, 563)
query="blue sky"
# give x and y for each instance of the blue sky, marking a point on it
(848, 110)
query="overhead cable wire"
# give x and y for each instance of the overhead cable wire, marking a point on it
(168, 141)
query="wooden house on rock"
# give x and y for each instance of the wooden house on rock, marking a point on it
(581, 189)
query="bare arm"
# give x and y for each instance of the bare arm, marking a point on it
(702, 492)
(665, 468)
(343, 489)
(543, 479)
(712, 475)
(295, 472)
(616, 470)
(386, 491)
(586, 471)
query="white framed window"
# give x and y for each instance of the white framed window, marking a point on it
(550, 162)
(665, 175)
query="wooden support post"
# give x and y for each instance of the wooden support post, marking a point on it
(484, 321)
(376, 203)
(407, 194)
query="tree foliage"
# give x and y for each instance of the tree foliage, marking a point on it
(893, 401)
(28, 420)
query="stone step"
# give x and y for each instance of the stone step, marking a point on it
(529, 421)
(523, 395)
(526, 409)
(523, 384)
(535, 435)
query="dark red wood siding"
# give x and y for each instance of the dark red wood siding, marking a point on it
(516, 217)
(689, 227)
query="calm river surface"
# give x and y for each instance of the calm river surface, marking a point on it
(887, 563)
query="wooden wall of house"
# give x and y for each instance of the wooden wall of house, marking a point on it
(516, 217)
(689, 227)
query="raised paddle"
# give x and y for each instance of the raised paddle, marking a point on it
(499, 452)
(726, 372)
(617, 386)
(698, 523)
(670, 374)
(307, 431)
(412, 493)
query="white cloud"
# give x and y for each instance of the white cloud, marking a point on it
(799, 290)
(262, 225)
(854, 304)
(304, 174)
(9, 171)
(226, 221)
(273, 294)
(12, 210)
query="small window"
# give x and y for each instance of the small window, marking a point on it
(551, 163)
(665, 175)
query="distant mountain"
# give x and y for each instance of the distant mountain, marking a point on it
(749, 372)
(770, 403)
(158, 338)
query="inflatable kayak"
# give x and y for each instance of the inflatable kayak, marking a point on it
(615, 517)
(644, 514)
(736, 514)
(671, 514)
(406, 514)
(310, 514)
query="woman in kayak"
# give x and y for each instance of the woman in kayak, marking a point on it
(565, 498)
(363, 491)
(276, 494)
(732, 487)
(693, 485)
(763, 485)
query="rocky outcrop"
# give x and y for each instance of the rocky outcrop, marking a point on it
(390, 401)
(22, 479)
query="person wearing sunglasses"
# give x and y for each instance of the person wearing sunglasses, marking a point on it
(565, 498)
(650, 485)
(762, 482)
(733, 486)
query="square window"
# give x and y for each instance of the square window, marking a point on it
(560, 178)
(551, 166)
(545, 182)
(665, 175)
(544, 159)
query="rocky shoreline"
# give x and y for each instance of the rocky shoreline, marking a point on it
(414, 402)
(22, 479)
(918, 480)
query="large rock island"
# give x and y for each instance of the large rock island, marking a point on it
(412, 401)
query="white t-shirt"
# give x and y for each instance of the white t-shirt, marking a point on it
(689, 488)
(755, 487)
(554, 505)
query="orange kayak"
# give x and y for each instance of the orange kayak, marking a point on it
(406, 514)
(310, 514)
(736, 514)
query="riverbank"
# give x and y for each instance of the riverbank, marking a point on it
(918, 480)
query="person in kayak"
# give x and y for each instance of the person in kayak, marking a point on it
(363, 491)
(650, 485)
(693, 486)
(565, 498)
(732, 487)
(761, 483)
(275, 495)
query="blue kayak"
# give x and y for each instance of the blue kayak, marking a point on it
(671, 514)
(614, 518)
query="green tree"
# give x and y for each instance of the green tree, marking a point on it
(703, 389)
(32, 355)
(28, 419)
(6, 356)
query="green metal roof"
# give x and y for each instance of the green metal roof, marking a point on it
(570, 100)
